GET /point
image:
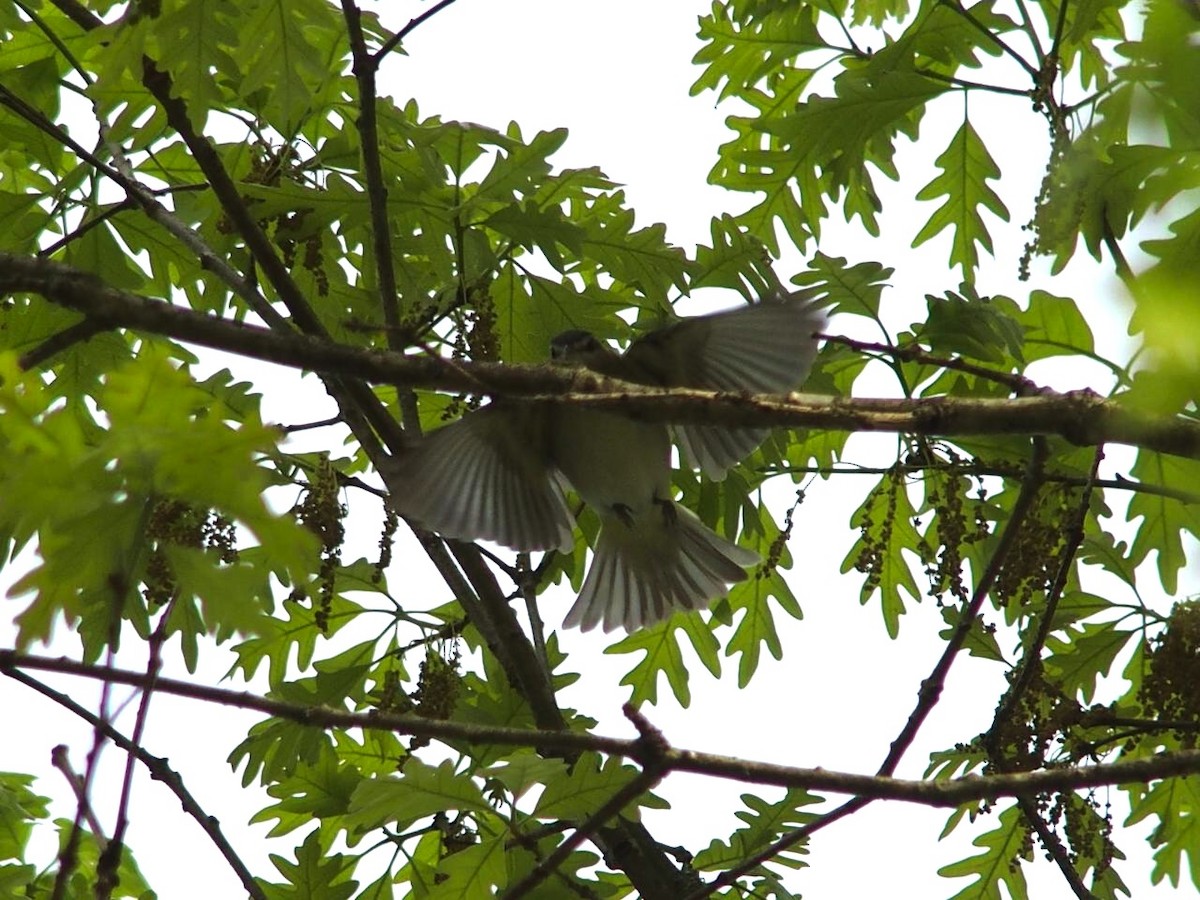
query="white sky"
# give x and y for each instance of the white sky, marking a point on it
(618, 75)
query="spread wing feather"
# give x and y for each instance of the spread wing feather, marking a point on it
(766, 348)
(486, 477)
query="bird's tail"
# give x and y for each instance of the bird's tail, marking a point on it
(642, 575)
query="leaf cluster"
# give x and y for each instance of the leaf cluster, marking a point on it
(242, 163)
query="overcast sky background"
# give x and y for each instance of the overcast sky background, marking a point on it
(618, 75)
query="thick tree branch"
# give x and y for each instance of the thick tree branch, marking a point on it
(1079, 417)
(942, 793)
(484, 603)
(1018, 384)
(626, 845)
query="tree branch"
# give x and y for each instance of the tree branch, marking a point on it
(159, 771)
(948, 792)
(976, 469)
(1080, 417)
(1029, 668)
(990, 35)
(365, 67)
(78, 333)
(930, 690)
(394, 41)
(60, 761)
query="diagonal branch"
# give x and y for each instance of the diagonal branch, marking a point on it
(395, 40)
(1028, 669)
(645, 781)
(159, 771)
(931, 688)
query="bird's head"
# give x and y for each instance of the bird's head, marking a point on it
(580, 348)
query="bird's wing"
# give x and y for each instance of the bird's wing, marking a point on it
(766, 348)
(486, 477)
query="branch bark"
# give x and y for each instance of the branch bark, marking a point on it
(1079, 417)
(948, 792)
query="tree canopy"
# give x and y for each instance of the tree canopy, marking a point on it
(183, 176)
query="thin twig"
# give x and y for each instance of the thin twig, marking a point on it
(308, 426)
(365, 67)
(394, 41)
(1119, 483)
(1030, 662)
(1028, 668)
(108, 866)
(1120, 263)
(59, 44)
(991, 36)
(60, 761)
(506, 640)
(78, 333)
(1031, 32)
(1060, 26)
(1018, 384)
(931, 687)
(974, 85)
(159, 771)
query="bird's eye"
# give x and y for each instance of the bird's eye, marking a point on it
(570, 344)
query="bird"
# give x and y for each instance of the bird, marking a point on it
(498, 473)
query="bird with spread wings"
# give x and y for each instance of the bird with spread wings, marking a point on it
(497, 473)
